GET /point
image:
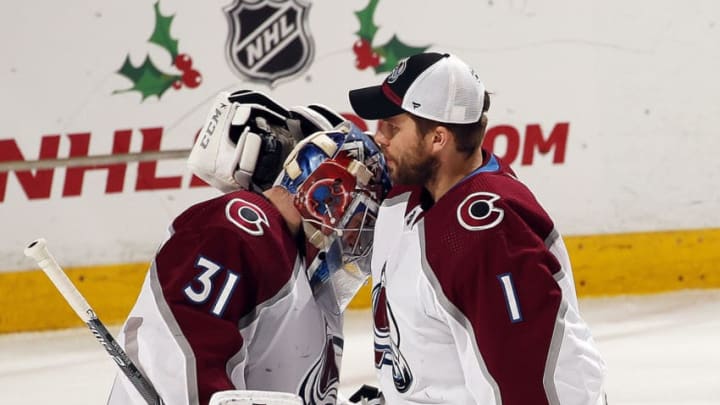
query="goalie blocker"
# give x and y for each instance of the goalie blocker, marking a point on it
(247, 136)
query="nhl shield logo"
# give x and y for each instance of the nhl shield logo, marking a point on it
(269, 40)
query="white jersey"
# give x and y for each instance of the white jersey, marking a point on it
(474, 301)
(227, 305)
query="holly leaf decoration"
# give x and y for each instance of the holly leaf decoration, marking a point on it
(367, 25)
(393, 51)
(161, 36)
(389, 54)
(146, 78)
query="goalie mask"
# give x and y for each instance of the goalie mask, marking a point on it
(338, 179)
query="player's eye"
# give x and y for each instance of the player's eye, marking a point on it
(386, 129)
(392, 129)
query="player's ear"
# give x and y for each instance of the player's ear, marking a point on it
(439, 137)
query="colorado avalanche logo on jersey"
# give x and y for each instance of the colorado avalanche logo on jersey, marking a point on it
(478, 212)
(387, 339)
(246, 216)
(319, 387)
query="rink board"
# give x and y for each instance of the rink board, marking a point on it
(604, 265)
(607, 111)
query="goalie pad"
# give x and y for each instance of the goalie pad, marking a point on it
(247, 136)
(238, 397)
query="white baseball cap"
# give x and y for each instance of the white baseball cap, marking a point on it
(436, 86)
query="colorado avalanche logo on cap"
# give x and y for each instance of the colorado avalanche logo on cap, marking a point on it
(397, 71)
(478, 212)
(246, 216)
(269, 39)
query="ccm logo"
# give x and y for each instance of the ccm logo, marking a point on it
(211, 125)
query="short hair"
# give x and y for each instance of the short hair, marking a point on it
(468, 137)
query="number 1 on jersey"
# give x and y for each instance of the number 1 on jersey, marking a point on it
(511, 298)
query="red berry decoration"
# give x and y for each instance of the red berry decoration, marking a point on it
(177, 84)
(191, 78)
(361, 46)
(183, 62)
(374, 59)
(364, 55)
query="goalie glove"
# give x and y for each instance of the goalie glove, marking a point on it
(242, 397)
(247, 136)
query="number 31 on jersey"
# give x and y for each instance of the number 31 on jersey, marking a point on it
(206, 281)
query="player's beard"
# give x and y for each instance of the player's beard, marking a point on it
(415, 167)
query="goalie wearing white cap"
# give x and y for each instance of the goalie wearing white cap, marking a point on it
(243, 301)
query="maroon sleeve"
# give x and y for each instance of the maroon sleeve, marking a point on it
(207, 272)
(499, 276)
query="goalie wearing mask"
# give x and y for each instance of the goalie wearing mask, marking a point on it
(244, 298)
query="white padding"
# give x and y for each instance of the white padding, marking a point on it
(325, 143)
(360, 171)
(247, 153)
(293, 170)
(215, 158)
(315, 236)
(213, 155)
(254, 397)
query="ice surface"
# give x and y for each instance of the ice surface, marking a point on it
(660, 349)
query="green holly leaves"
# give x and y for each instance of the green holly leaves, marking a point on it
(367, 25)
(147, 78)
(161, 36)
(384, 57)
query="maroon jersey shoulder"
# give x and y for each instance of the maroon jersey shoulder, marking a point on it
(516, 196)
(488, 225)
(409, 195)
(224, 257)
(484, 206)
(241, 233)
(485, 243)
(397, 190)
(247, 213)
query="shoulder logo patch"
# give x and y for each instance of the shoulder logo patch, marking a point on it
(478, 212)
(246, 216)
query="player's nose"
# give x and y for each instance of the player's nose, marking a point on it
(380, 138)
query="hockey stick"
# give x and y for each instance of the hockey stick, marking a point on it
(38, 250)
